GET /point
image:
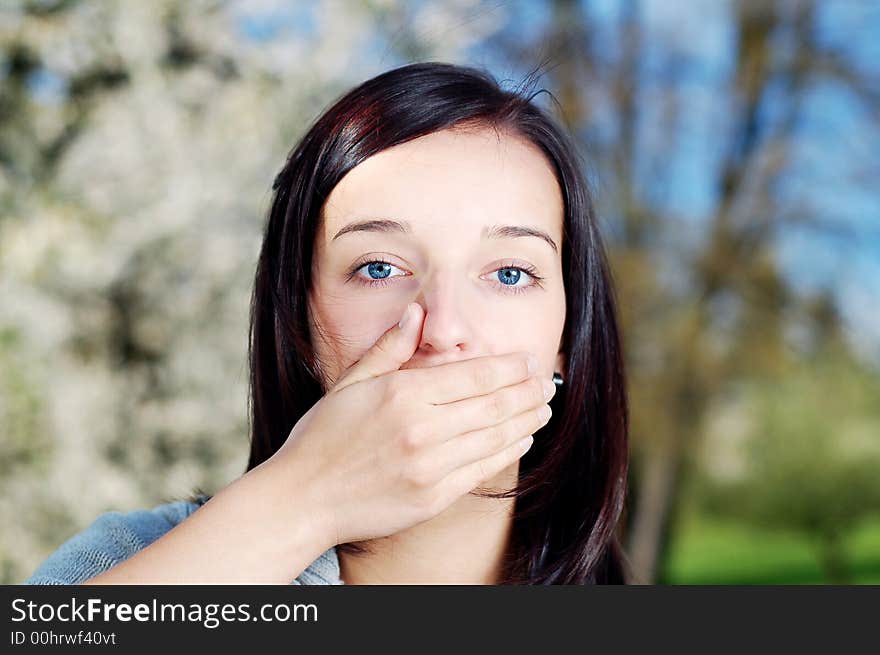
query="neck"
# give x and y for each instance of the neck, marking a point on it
(464, 544)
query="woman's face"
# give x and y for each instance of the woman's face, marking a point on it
(462, 200)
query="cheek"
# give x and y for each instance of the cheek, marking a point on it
(527, 322)
(542, 331)
(348, 330)
(542, 340)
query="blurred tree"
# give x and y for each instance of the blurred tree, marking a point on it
(809, 451)
(137, 146)
(703, 300)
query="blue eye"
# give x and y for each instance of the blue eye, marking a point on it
(378, 270)
(509, 275)
(379, 273)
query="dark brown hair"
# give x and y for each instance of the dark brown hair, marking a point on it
(572, 482)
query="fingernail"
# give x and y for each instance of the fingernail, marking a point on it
(407, 314)
(532, 363)
(549, 389)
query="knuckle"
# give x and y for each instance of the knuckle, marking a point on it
(497, 438)
(384, 347)
(410, 439)
(419, 476)
(482, 377)
(496, 406)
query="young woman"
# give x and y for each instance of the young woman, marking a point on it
(395, 453)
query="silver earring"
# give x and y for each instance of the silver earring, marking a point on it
(557, 379)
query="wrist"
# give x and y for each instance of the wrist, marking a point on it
(293, 506)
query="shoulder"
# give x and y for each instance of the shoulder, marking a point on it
(110, 539)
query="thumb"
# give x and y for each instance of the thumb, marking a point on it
(395, 347)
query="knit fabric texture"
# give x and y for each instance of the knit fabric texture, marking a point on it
(115, 536)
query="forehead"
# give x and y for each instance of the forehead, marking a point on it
(454, 180)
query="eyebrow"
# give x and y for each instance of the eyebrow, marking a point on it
(489, 232)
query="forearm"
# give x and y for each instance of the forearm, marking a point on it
(252, 531)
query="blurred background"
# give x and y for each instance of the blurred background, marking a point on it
(735, 155)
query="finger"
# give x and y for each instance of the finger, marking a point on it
(494, 408)
(474, 446)
(453, 381)
(391, 350)
(467, 478)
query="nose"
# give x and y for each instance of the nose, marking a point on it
(447, 328)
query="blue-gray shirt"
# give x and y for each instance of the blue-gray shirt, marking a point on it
(116, 536)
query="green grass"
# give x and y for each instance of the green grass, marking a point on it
(710, 551)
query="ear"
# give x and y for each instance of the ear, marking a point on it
(560, 365)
